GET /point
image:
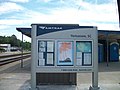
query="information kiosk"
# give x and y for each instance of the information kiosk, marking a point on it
(56, 49)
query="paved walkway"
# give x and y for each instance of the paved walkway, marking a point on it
(12, 77)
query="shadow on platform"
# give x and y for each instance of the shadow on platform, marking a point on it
(111, 67)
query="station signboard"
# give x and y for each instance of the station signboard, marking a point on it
(64, 48)
(61, 49)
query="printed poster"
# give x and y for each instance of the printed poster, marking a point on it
(41, 46)
(87, 59)
(83, 53)
(50, 58)
(65, 53)
(40, 55)
(50, 46)
(83, 46)
(79, 58)
(42, 62)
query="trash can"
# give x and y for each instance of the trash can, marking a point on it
(114, 52)
(100, 53)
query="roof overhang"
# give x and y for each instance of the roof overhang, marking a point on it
(111, 35)
(102, 34)
(25, 31)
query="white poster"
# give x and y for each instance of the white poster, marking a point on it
(40, 55)
(42, 62)
(50, 46)
(79, 58)
(49, 58)
(79, 62)
(42, 44)
(87, 58)
(42, 49)
(79, 55)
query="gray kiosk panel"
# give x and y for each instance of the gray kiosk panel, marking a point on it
(64, 51)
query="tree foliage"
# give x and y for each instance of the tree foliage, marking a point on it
(15, 42)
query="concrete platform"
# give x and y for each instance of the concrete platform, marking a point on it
(12, 77)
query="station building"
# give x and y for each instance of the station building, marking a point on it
(6, 47)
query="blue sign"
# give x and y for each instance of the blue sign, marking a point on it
(47, 28)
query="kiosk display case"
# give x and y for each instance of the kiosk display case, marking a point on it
(60, 49)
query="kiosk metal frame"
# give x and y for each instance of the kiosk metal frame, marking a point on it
(87, 34)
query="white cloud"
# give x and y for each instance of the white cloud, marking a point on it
(102, 26)
(86, 12)
(46, 1)
(6, 30)
(83, 17)
(25, 38)
(11, 22)
(22, 1)
(3, 27)
(104, 16)
(9, 7)
(15, 1)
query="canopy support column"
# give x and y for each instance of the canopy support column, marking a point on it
(22, 52)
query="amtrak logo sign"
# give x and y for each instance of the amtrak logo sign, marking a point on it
(44, 27)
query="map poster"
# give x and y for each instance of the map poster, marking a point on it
(83, 46)
(84, 53)
(65, 53)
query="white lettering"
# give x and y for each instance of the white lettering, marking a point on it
(44, 27)
(78, 35)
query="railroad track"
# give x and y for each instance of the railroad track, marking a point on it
(12, 55)
(12, 58)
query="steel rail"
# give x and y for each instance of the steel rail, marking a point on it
(11, 55)
(14, 59)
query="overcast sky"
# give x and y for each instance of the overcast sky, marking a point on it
(21, 13)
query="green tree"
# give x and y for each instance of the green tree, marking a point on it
(27, 46)
(13, 41)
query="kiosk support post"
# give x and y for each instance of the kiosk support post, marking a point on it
(33, 61)
(95, 71)
(107, 49)
(22, 53)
